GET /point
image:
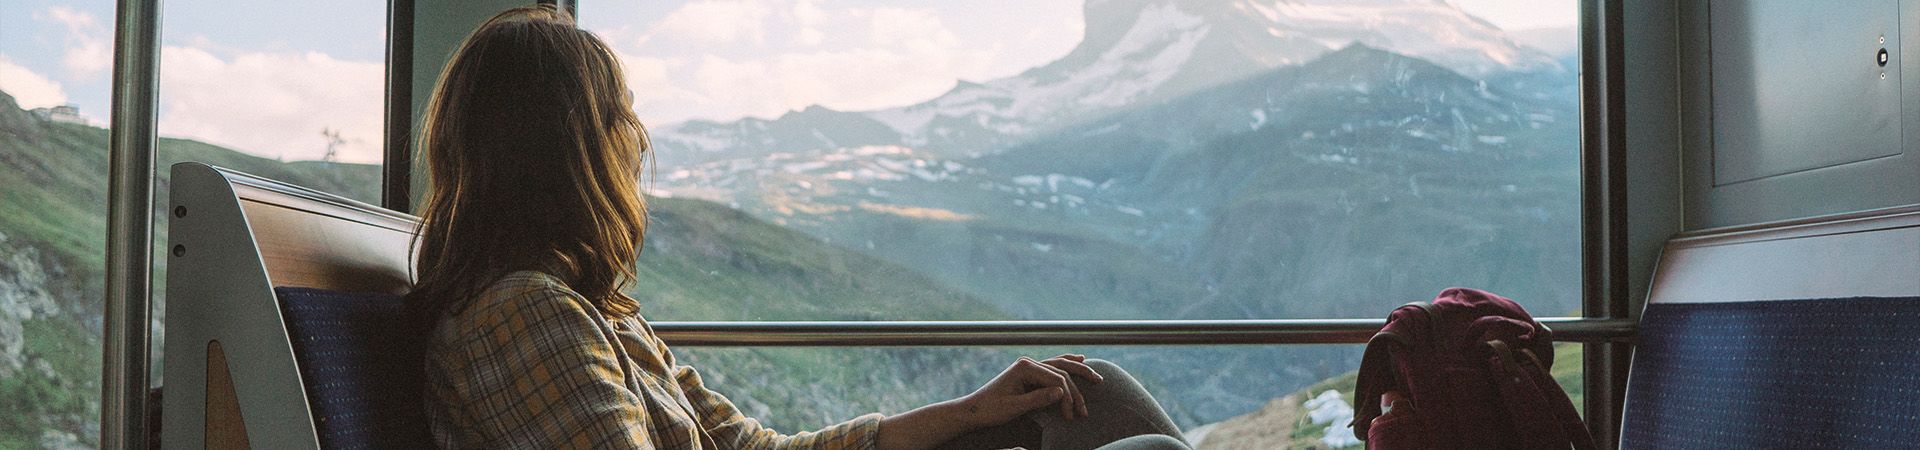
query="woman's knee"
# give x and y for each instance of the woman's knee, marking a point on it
(1107, 369)
(1147, 442)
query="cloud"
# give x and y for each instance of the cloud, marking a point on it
(800, 54)
(87, 52)
(715, 22)
(272, 104)
(652, 87)
(911, 27)
(29, 89)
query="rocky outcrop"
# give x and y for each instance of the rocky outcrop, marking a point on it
(25, 293)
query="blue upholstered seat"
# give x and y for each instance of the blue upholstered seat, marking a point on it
(1840, 373)
(359, 357)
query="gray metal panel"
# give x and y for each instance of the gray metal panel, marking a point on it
(1785, 115)
(1796, 86)
(439, 26)
(1653, 140)
(218, 290)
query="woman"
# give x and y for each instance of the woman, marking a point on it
(531, 229)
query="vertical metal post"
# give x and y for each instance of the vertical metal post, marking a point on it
(1604, 202)
(123, 386)
(572, 7)
(396, 170)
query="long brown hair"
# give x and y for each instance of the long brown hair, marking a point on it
(534, 158)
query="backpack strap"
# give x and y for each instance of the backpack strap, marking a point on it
(1377, 371)
(1562, 407)
(1530, 397)
(1375, 378)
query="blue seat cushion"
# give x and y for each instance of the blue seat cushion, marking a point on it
(1837, 373)
(360, 357)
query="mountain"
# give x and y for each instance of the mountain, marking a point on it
(1133, 179)
(1263, 197)
(1340, 187)
(1132, 52)
(1360, 168)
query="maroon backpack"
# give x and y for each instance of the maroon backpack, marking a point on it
(1468, 371)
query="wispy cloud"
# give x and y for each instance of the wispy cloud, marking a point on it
(31, 90)
(715, 22)
(723, 59)
(88, 52)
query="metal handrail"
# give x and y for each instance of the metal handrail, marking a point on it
(1074, 332)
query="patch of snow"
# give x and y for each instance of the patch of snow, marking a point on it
(1330, 408)
(1436, 31)
(823, 139)
(1259, 118)
(1332, 158)
(805, 166)
(924, 175)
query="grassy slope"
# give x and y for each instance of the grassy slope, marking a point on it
(53, 205)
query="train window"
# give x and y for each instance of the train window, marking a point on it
(1007, 160)
(265, 90)
(1112, 160)
(55, 82)
(274, 92)
(1237, 400)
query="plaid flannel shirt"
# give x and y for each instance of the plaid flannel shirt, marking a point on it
(531, 364)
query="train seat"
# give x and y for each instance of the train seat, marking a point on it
(284, 325)
(1792, 335)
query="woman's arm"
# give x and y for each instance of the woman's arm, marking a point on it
(1025, 386)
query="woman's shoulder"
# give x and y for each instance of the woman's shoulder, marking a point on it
(520, 297)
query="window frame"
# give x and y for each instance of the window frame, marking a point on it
(1606, 323)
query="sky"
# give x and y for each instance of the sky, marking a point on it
(265, 77)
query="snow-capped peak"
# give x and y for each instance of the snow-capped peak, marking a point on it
(1141, 51)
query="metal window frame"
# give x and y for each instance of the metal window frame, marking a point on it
(1604, 233)
(126, 333)
(1607, 323)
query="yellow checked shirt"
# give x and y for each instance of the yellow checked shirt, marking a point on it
(531, 364)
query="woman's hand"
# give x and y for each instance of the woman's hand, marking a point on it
(1028, 385)
(1025, 386)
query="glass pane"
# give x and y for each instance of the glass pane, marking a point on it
(1107, 160)
(1240, 397)
(269, 90)
(55, 82)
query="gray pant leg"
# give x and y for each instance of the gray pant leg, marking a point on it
(1147, 442)
(1117, 409)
